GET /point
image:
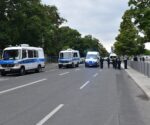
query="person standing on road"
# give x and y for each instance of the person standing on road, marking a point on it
(101, 62)
(108, 62)
(125, 62)
(119, 63)
(143, 59)
(114, 62)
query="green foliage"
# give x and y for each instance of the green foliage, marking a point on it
(147, 52)
(88, 43)
(128, 42)
(141, 13)
(30, 22)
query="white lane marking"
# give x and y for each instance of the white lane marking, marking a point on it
(3, 79)
(77, 69)
(100, 70)
(96, 74)
(64, 73)
(47, 117)
(85, 84)
(22, 86)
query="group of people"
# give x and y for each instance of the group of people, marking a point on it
(116, 62)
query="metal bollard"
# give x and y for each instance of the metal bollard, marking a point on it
(146, 68)
(149, 70)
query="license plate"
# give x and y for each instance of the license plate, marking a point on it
(7, 69)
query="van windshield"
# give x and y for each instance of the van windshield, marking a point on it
(65, 55)
(112, 57)
(89, 56)
(11, 54)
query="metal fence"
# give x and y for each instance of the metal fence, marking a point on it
(142, 67)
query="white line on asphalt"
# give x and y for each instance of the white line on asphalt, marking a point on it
(64, 73)
(22, 86)
(100, 70)
(96, 74)
(84, 85)
(46, 118)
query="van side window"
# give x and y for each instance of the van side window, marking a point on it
(24, 54)
(30, 54)
(36, 54)
(75, 55)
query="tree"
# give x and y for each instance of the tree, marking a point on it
(127, 42)
(141, 13)
(89, 43)
(30, 22)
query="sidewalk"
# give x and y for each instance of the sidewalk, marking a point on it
(141, 80)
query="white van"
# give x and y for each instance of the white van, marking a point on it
(112, 56)
(69, 57)
(21, 59)
(92, 59)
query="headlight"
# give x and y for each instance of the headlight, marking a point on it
(16, 65)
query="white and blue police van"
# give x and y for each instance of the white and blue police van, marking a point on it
(68, 58)
(112, 57)
(20, 59)
(92, 59)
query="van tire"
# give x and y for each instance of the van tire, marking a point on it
(59, 66)
(3, 73)
(39, 69)
(77, 65)
(22, 71)
(73, 65)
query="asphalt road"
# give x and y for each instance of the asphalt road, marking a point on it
(73, 96)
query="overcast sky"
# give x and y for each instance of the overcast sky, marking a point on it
(100, 18)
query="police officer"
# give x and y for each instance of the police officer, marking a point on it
(108, 62)
(115, 63)
(119, 63)
(101, 62)
(125, 62)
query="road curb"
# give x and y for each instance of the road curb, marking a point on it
(143, 86)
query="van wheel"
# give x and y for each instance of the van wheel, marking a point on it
(39, 69)
(22, 71)
(86, 65)
(77, 65)
(73, 65)
(59, 66)
(3, 73)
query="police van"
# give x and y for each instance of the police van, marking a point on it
(112, 57)
(68, 58)
(21, 59)
(92, 59)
